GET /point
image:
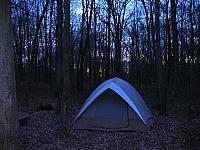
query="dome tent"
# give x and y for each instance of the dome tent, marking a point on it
(114, 105)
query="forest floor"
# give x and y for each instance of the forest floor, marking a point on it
(45, 131)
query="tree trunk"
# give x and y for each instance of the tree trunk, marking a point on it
(107, 69)
(80, 74)
(59, 63)
(160, 72)
(9, 127)
(20, 50)
(95, 46)
(118, 65)
(46, 50)
(119, 25)
(175, 50)
(87, 42)
(34, 49)
(66, 64)
(169, 66)
(148, 42)
(191, 31)
(51, 44)
(27, 33)
(152, 60)
(199, 44)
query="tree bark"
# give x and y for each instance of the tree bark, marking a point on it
(95, 46)
(51, 43)
(160, 72)
(20, 49)
(199, 44)
(152, 60)
(27, 32)
(148, 42)
(66, 63)
(80, 74)
(87, 41)
(175, 48)
(46, 50)
(107, 69)
(9, 127)
(59, 57)
(119, 24)
(34, 48)
(191, 31)
(169, 65)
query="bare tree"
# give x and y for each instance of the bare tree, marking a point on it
(107, 68)
(175, 48)
(149, 54)
(50, 42)
(85, 46)
(160, 71)
(95, 45)
(169, 50)
(8, 106)
(199, 42)
(118, 14)
(66, 62)
(59, 55)
(33, 61)
(81, 53)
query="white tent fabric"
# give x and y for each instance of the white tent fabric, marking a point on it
(127, 92)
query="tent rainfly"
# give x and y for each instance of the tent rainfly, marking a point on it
(114, 105)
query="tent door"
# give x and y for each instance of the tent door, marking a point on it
(111, 111)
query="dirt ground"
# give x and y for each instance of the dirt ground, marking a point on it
(45, 131)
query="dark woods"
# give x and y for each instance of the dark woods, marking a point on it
(66, 48)
(77, 45)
